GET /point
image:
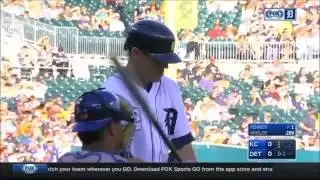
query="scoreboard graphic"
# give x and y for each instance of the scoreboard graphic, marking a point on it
(272, 141)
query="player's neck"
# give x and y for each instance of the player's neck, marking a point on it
(137, 77)
(98, 147)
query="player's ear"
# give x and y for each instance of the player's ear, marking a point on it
(135, 53)
(111, 129)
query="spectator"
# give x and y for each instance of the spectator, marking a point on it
(230, 31)
(303, 72)
(212, 67)
(93, 24)
(61, 62)
(45, 60)
(84, 11)
(139, 14)
(104, 26)
(50, 11)
(209, 111)
(302, 87)
(308, 126)
(234, 99)
(180, 80)
(101, 14)
(67, 14)
(297, 102)
(286, 104)
(242, 47)
(51, 151)
(206, 82)
(76, 13)
(243, 133)
(246, 75)
(84, 21)
(221, 82)
(153, 12)
(313, 15)
(26, 14)
(197, 71)
(267, 118)
(188, 108)
(116, 24)
(214, 135)
(4, 153)
(256, 98)
(15, 7)
(187, 73)
(216, 31)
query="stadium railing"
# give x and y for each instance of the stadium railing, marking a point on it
(68, 37)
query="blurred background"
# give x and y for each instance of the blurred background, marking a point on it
(237, 69)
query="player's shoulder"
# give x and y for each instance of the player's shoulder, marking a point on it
(113, 78)
(91, 157)
(169, 83)
(113, 83)
(166, 79)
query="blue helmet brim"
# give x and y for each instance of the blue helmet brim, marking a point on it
(169, 58)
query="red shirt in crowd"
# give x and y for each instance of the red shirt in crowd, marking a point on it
(216, 31)
(275, 95)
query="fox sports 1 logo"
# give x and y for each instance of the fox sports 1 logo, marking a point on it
(274, 14)
(29, 168)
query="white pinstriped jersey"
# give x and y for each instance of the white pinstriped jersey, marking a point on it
(165, 101)
(90, 157)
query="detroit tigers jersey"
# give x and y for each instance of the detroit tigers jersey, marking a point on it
(90, 157)
(165, 101)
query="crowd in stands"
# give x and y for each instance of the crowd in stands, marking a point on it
(104, 16)
(243, 22)
(251, 26)
(268, 93)
(34, 128)
(218, 105)
(35, 125)
(146, 11)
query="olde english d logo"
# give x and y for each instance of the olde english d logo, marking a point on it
(170, 119)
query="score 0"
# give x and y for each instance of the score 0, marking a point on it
(269, 144)
(269, 154)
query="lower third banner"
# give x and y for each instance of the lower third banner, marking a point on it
(147, 169)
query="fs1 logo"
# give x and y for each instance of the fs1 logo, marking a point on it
(279, 14)
(29, 168)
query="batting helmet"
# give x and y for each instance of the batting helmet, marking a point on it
(95, 109)
(154, 38)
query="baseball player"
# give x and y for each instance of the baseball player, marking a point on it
(150, 45)
(104, 124)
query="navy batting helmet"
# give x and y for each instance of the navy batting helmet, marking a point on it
(95, 109)
(154, 38)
